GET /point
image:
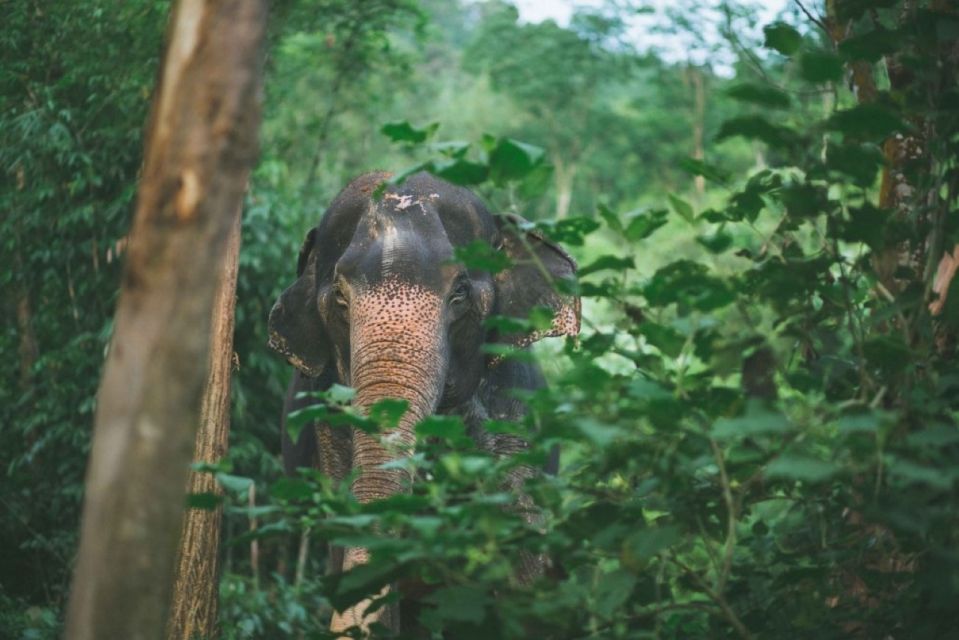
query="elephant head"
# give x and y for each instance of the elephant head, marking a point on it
(380, 299)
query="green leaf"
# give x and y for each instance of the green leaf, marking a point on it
(361, 582)
(858, 423)
(602, 263)
(710, 172)
(717, 242)
(669, 341)
(755, 421)
(480, 255)
(804, 200)
(870, 46)
(887, 353)
(291, 489)
(400, 178)
(796, 467)
(644, 223)
(541, 318)
(204, 501)
(447, 427)
(910, 472)
(388, 412)
(861, 162)
(871, 121)
(934, 437)
(640, 547)
(758, 128)
(761, 94)
(687, 283)
(601, 435)
(820, 66)
(867, 224)
(236, 484)
(570, 230)
(513, 160)
(681, 207)
(405, 132)
(613, 590)
(457, 604)
(537, 182)
(451, 148)
(338, 395)
(460, 171)
(782, 37)
(849, 10)
(505, 324)
(610, 218)
(397, 503)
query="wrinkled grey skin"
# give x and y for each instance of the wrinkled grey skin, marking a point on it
(380, 305)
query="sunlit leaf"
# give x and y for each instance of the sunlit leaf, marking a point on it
(405, 132)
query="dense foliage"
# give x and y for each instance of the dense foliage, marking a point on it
(758, 424)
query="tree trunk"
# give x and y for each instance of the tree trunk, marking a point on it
(694, 76)
(201, 144)
(196, 587)
(565, 175)
(28, 349)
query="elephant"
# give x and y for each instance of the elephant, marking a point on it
(380, 304)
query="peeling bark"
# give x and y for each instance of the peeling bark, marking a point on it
(201, 144)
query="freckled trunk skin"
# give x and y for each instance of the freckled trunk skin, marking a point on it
(397, 341)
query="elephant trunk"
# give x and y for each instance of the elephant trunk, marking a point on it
(397, 344)
(375, 379)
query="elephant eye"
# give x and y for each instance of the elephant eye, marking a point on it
(461, 291)
(339, 296)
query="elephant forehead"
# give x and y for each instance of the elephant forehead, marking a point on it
(404, 246)
(410, 202)
(398, 307)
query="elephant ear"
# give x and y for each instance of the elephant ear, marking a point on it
(294, 326)
(540, 269)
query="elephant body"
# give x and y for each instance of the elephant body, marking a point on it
(381, 305)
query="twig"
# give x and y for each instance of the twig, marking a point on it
(254, 543)
(717, 598)
(864, 378)
(301, 557)
(731, 517)
(817, 21)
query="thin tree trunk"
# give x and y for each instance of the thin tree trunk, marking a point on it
(254, 543)
(301, 557)
(196, 587)
(565, 174)
(201, 144)
(28, 349)
(694, 76)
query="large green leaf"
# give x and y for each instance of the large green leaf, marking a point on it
(797, 467)
(783, 38)
(870, 121)
(513, 160)
(405, 132)
(758, 128)
(480, 255)
(820, 66)
(762, 94)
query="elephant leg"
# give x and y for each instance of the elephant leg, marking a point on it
(334, 453)
(531, 566)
